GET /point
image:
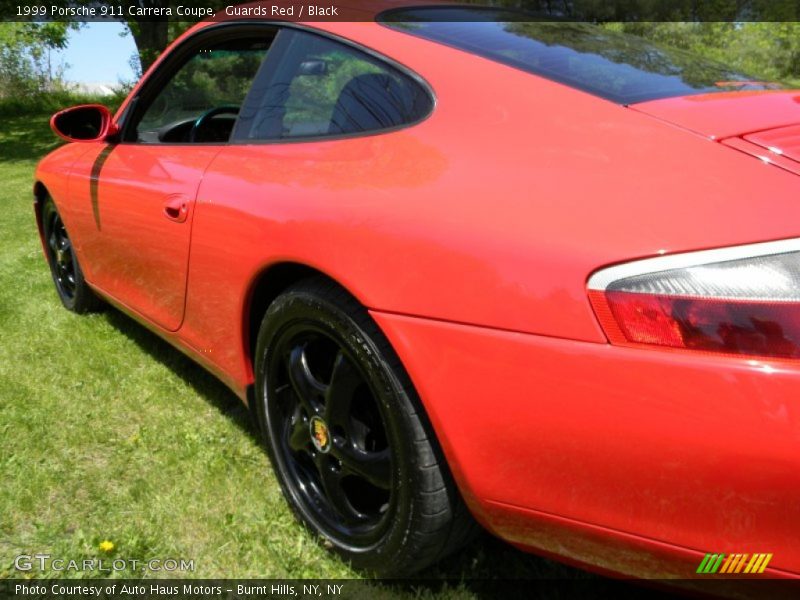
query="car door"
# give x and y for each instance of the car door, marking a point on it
(305, 151)
(137, 197)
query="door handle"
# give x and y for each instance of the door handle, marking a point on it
(176, 209)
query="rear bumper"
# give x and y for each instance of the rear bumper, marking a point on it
(634, 461)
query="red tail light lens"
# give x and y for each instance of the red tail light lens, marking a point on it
(746, 306)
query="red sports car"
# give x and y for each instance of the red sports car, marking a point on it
(465, 266)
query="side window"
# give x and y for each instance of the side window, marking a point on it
(320, 87)
(200, 101)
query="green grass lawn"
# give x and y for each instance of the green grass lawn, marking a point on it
(107, 433)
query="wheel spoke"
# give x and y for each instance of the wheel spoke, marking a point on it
(375, 467)
(309, 391)
(299, 436)
(332, 484)
(344, 381)
(52, 242)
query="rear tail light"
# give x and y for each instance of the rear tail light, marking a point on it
(743, 300)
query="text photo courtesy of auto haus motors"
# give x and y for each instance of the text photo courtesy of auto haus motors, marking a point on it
(481, 296)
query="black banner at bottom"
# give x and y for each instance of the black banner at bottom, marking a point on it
(334, 589)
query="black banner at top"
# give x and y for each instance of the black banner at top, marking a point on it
(367, 10)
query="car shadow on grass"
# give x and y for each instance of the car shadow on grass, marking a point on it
(26, 138)
(478, 568)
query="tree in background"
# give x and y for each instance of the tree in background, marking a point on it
(150, 35)
(769, 50)
(751, 36)
(26, 67)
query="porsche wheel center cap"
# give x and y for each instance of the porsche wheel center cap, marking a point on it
(320, 434)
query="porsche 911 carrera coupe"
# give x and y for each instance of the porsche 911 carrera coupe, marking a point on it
(466, 268)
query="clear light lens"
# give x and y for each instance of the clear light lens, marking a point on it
(770, 278)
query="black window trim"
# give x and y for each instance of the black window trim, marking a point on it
(187, 46)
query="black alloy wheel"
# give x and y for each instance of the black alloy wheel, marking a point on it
(71, 287)
(347, 436)
(61, 251)
(334, 436)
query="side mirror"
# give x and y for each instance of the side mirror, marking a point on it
(85, 123)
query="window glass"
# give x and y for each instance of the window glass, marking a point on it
(619, 67)
(216, 78)
(321, 87)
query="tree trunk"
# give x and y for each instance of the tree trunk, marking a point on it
(151, 38)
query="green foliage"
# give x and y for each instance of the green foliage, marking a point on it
(767, 50)
(651, 56)
(313, 97)
(759, 37)
(211, 79)
(25, 57)
(657, 10)
(54, 101)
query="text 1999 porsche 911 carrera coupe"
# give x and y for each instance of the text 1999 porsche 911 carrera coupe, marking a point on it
(466, 268)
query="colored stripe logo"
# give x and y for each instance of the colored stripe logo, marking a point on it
(734, 563)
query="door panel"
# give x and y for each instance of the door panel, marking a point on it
(135, 206)
(135, 200)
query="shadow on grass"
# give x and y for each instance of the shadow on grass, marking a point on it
(26, 137)
(487, 558)
(208, 387)
(25, 123)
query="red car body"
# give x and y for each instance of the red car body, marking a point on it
(470, 238)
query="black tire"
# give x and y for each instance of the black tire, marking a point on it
(347, 437)
(72, 289)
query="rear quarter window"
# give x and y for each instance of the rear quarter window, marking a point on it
(318, 87)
